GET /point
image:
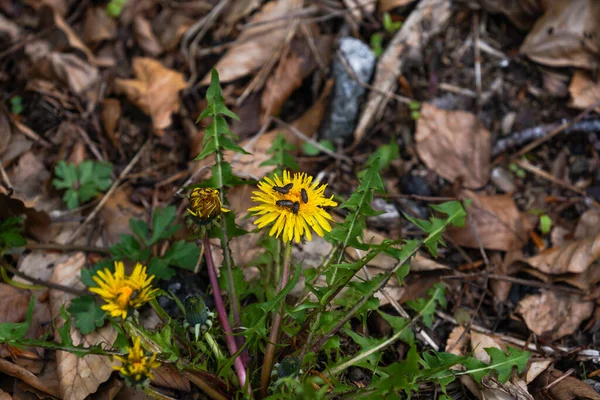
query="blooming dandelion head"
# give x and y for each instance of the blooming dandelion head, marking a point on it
(123, 293)
(205, 204)
(294, 205)
(137, 368)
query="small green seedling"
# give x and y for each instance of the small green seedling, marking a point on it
(82, 182)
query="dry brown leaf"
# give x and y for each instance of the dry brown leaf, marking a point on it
(554, 315)
(584, 91)
(523, 13)
(480, 342)
(28, 176)
(79, 377)
(291, 71)
(458, 341)
(236, 11)
(256, 44)
(111, 113)
(171, 27)
(37, 223)
(155, 90)
(501, 288)
(4, 395)
(588, 224)
(21, 373)
(567, 388)
(535, 368)
(388, 5)
(249, 165)
(567, 34)
(117, 212)
(572, 257)
(60, 6)
(98, 25)
(13, 303)
(429, 18)
(63, 38)
(145, 38)
(68, 69)
(9, 28)
(497, 221)
(454, 144)
(168, 376)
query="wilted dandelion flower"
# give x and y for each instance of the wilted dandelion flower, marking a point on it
(292, 204)
(205, 204)
(136, 367)
(123, 293)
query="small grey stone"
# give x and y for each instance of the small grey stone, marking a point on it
(389, 216)
(347, 93)
(503, 179)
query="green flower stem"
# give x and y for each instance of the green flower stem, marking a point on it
(214, 346)
(220, 306)
(265, 376)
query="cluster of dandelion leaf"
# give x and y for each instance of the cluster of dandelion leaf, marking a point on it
(254, 348)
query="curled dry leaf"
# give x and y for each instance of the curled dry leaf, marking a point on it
(429, 18)
(554, 315)
(497, 221)
(584, 91)
(63, 37)
(572, 257)
(79, 377)
(111, 113)
(98, 25)
(257, 43)
(68, 69)
(235, 12)
(155, 90)
(455, 145)
(548, 386)
(146, 39)
(568, 34)
(292, 70)
(13, 303)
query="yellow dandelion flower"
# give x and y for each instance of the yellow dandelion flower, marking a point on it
(292, 204)
(137, 368)
(205, 204)
(123, 293)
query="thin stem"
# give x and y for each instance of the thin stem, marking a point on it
(220, 306)
(265, 376)
(45, 284)
(362, 301)
(214, 347)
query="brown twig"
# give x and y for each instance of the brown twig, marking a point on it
(526, 165)
(36, 281)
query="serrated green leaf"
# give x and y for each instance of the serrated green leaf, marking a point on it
(427, 307)
(160, 269)
(88, 315)
(161, 224)
(500, 362)
(183, 254)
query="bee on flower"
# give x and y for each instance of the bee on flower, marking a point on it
(294, 205)
(205, 205)
(136, 368)
(123, 293)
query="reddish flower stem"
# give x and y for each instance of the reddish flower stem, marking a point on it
(229, 338)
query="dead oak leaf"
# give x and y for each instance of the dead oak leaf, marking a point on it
(455, 145)
(498, 222)
(566, 35)
(155, 90)
(572, 257)
(13, 303)
(554, 315)
(79, 377)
